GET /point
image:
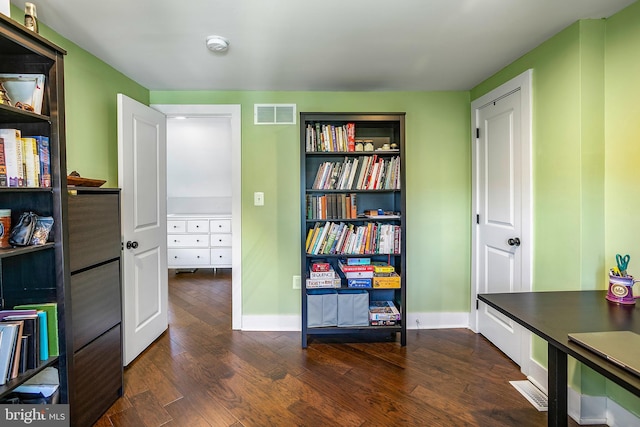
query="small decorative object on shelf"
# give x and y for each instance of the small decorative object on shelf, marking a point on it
(75, 179)
(352, 215)
(30, 17)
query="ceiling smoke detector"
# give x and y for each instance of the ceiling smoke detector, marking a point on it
(217, 44)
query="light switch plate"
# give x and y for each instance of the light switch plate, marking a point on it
(258, 198)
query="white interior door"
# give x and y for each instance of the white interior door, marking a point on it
(142, 179)
(502, 238)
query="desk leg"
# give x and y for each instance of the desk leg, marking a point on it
(557, 387)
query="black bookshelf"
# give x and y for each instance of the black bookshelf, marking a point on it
(38, 274)
(385, 133)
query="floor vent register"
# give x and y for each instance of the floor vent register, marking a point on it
(532, 393)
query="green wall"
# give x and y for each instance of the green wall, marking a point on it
(438, 193)
(622, 152)
(585, 91)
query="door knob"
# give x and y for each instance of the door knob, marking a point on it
(132, 245)
(514, 242)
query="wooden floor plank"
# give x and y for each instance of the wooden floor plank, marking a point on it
(202, 373)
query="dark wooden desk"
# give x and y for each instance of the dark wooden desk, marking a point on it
(552, 316)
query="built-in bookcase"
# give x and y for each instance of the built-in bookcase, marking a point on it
(352, 205)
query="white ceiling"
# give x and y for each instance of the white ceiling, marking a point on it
(349, 45)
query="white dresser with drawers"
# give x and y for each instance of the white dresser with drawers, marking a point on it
(199, 241)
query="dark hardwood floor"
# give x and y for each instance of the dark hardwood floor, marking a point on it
(201, 373)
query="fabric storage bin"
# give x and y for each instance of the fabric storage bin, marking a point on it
(322, 308)
(353, 307)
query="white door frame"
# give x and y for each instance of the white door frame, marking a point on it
(522, 82)
(233, 112)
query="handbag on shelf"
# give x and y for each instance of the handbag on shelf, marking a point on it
(22, 232)
(31, 229)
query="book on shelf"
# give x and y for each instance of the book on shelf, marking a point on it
(51, 310)
(31, 161)
(44, 157)
(12, 156)
(3, 165)
(383, 310)
(16, 312)
(30, 348)
(16, 349)
(8, 339)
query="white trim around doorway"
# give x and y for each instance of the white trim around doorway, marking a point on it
(232, 111)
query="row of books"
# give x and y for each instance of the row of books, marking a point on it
(24, 161)
(330, 138)
(350, 239)
(332, 206)
(28, 336)
(359, 173)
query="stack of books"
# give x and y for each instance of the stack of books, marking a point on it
(385, 276)
(357, 271)
(383, 313)
(322, 275)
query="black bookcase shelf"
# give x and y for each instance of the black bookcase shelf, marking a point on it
(38, 274)
(381, 128)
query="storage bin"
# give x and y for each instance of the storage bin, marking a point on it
(353, 307)
(322, 308)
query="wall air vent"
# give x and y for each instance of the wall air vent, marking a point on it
(274, 114)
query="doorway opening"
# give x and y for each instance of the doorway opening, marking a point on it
(228, 116)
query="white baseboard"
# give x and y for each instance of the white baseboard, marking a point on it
(617, 416)
(271, 323)
(437, 320)
(586, 410)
